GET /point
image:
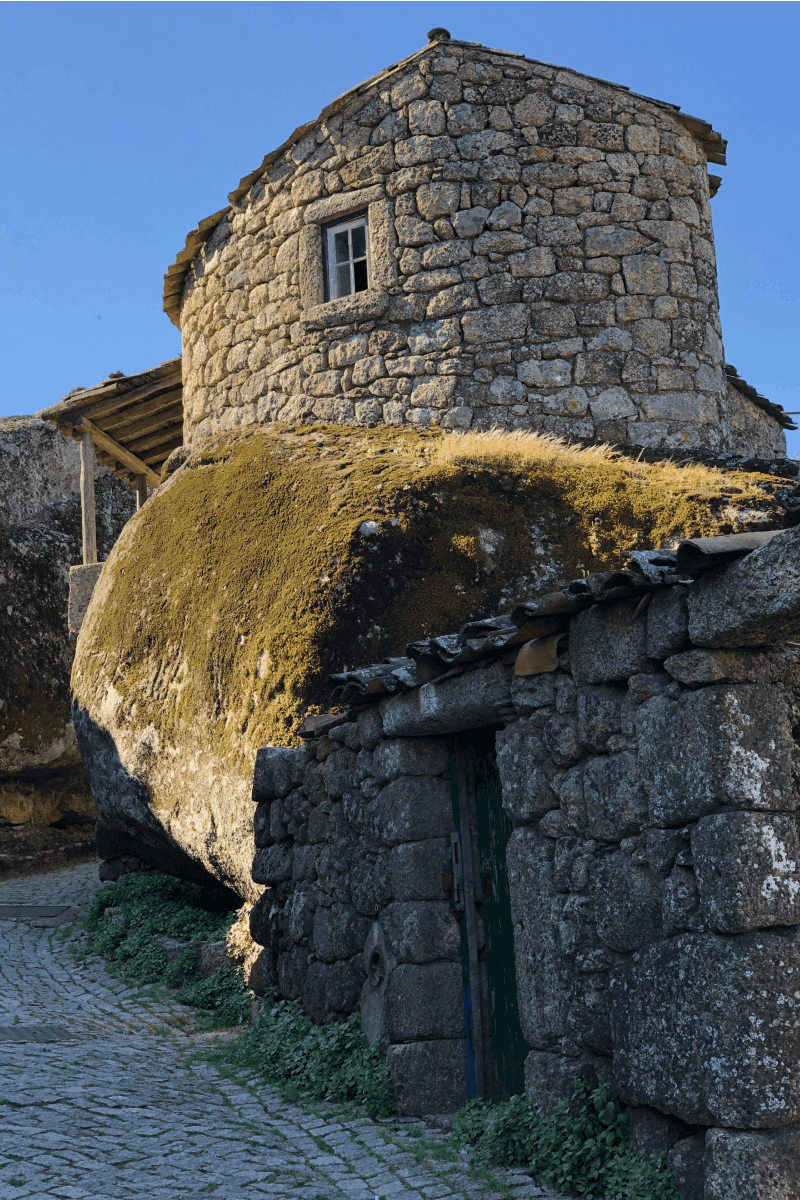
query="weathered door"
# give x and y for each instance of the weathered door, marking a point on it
(496, 1047)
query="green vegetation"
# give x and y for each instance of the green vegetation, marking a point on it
(314, 1062)
(284, 1046)
(125, 918)
(588, 1152)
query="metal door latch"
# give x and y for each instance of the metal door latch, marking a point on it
(453, 878)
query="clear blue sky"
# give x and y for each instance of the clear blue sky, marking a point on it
(122, 125)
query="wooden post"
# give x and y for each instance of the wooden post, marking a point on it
(87, 500)
(141, 491)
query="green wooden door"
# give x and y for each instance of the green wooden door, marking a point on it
(509, 1048)
(481, 831)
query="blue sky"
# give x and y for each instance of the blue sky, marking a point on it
(122, 125)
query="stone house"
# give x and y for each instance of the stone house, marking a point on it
(564, 843)
(472, 239)
(514, 848)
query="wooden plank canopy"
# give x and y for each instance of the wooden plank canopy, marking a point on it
(131, 423)
(135, 421)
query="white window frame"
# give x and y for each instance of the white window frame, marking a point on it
(356, 221)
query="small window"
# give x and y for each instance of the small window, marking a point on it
(347, 253)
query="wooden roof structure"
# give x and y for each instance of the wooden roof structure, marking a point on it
(135, 421)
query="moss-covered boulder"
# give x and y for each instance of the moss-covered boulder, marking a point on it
(271, 558)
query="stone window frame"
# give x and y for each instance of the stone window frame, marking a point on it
(329, 229)
(382, 243)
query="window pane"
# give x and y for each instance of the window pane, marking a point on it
(342, 248)
(360, 275)
(359, 241)
(343, 279)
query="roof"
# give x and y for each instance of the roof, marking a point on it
(747, 389)
(136, 421)
(531, 634)
(712, 142)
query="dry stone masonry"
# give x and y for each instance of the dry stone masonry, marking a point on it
(541, 257)
(648, 769)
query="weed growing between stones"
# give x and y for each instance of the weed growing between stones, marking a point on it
(314, 1062)
(588, 1152)
(125, 918)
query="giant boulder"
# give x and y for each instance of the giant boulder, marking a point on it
(273, 556)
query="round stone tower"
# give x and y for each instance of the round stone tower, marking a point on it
(471, 239)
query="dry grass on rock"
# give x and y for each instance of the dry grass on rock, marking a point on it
(251, 573)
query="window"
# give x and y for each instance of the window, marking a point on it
(347, 254)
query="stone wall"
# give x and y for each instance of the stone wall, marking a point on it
(542, 258)
(42, 780)
(653, 782)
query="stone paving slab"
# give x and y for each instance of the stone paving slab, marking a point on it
(125, 1109)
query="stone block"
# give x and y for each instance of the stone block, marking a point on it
(531, 692)
(411, 808)
(748, 870)
(545, 976)
(613, 403)
(81, 585)
(598, 715)
(695, 667)
(645, 275)
(628, 900)
(705, 1027)
(429, 1077)
(469, 701)
(500, 323)
(667, 622)
(613, 240)
(685, 1160)
(741, 1165)
(273, 865)
(274, 772)
(424, 1001)
(551, 1078)
(615, 803)
(339, 932)
(681, 908)
(560, 735)
(752, 602)
(338, 771)
(438, 199)
(409, 756)
(650, 1132)
(314, 987)
(724, 746)
(420, 931)
(415, 869)
(607, 645)
(526, 770)
(261, 827)
(343, 985)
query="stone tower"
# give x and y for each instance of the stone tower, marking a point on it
(471, 239)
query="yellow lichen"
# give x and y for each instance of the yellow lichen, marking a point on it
(276, 556)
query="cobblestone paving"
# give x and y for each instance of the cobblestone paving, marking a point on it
(123, 1108)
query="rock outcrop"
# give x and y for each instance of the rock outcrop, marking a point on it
(271, 557)
(42, 780)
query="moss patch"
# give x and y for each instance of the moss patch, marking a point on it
(251, 574)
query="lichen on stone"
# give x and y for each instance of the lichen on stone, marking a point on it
(273, 557)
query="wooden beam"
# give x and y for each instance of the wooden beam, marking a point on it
(147, 444)
(119, 452)
(141, 491)
(88, 519)
(148, 422)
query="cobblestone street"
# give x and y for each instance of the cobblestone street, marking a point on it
(119, 1106)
